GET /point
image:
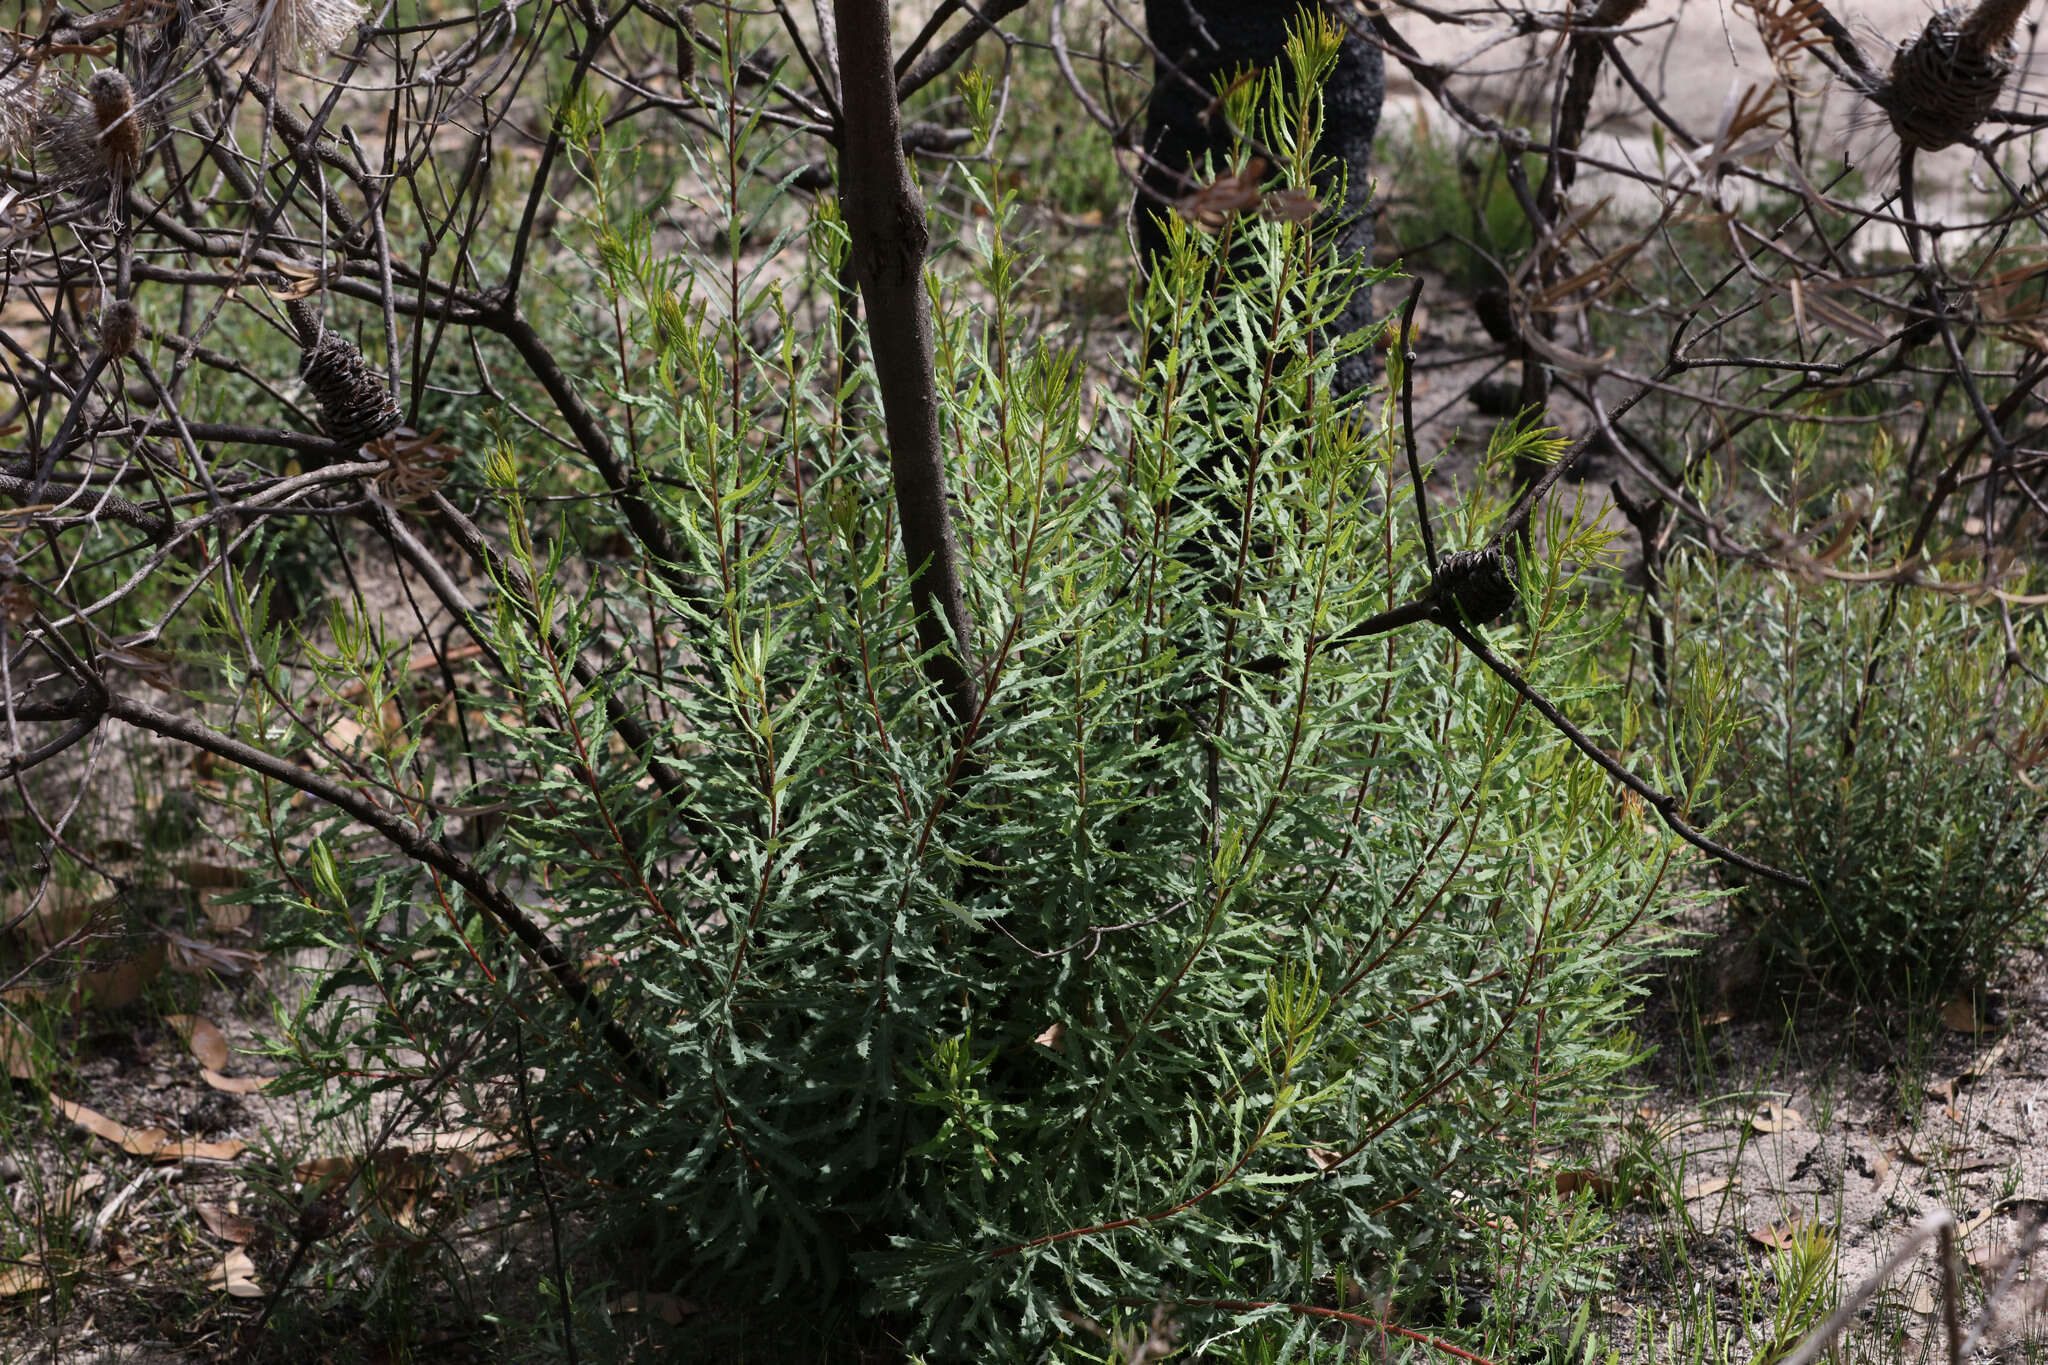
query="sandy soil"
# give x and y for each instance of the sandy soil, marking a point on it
(1695, 55)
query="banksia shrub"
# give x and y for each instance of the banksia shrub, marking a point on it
(1893, 761)
(1166, 975)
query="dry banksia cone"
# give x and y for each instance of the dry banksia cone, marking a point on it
(92, 138)
(1945, 82)
(120, 329)
(1473, 585)
(355, 407)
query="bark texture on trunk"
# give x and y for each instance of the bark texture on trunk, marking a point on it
(1196, 41)
(885, 218)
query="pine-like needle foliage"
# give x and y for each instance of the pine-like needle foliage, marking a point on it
(1213, 961)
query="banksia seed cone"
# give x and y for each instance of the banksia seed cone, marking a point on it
(1946, 81)
(1473, 585)
(92, 138)
(120, 329)
(355, 407)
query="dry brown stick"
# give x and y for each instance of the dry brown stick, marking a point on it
(1588, 49)
(1665, 804)
(982, 20)
(640, 1074)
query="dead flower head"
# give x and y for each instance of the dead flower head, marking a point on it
(288, 32)
(419, 463)
(92, 137)
(21, 98)
(120, 328)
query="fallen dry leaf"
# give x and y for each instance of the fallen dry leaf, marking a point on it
(188, 1149)
(1776, 1118)
(236, 1274)
(136, 1141)
(324, 1172)
(471, 1140)
(1984, 1215)
(1710, 1185)
(670, 1308)
(400, 1168)
(1982, 1064)
(17, 1050)
(121, 1253)
(68, 1197)
(1960, 1015)
(1662, 1126)
(224, 915)
(56, 917)
(204, 875)
(1781, 1235)
(234, 1085)
(153, 1143)
(207, 1042)
(1600, 1183)
(24, 1277)
(344, 733)
(426, 659)
(226, 1224)
(1991, 1257)
(122, 984)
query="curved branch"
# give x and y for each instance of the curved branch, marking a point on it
(1665, 804)
(640, 1074)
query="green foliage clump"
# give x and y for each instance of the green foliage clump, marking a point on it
(1894, 761)
(1213, 961)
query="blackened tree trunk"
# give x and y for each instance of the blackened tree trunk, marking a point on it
(1195, 42)
(886, 222)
